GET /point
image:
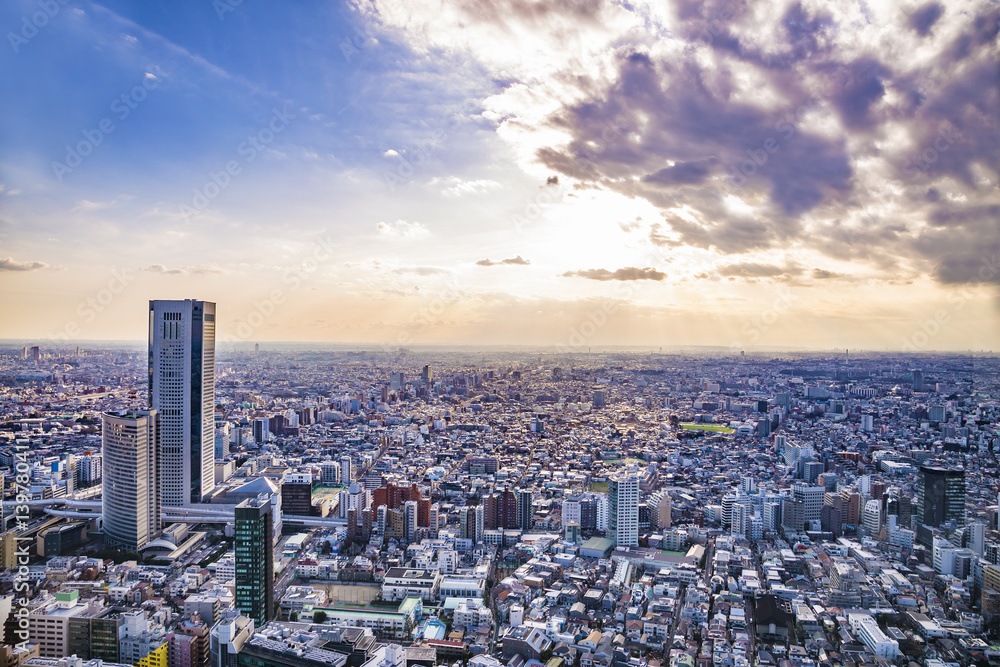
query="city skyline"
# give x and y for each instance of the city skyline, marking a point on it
(786, 175)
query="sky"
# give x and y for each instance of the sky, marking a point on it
(567, 173)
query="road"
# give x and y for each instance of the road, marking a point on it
(673, 626)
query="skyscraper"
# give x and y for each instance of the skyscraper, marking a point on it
(623, 510)
(345, 470)
(940, 497)
(182, 390)
(525, 509)
(255, 559)
(131, 498)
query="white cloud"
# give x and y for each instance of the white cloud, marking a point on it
(402, 229)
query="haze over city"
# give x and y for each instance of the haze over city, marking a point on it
(745, 175)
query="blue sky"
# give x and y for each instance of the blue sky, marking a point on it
(786, 174)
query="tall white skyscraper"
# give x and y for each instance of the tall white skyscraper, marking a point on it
(623, 510)
(182, 390)
(130, 497)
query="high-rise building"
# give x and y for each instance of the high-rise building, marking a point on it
(623, 510)
(182, 390)
(131, 493)
(296, 494)
(570, 512)
(396, 381)
(425, 375)
(410, 521)
(255, 559)
(940, 497)
(663, 510)
(872, 517)
(346, 472)
(525, 509)
(812, 499)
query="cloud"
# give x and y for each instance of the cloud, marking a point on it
(755, 270)
(457, 187)
(421, 270)
(630, 226)
(838, 125)
(402, 229)
(627, 273)
(823, 274)
(11, 264)
(390, 153)
(924, 18)
(195, 270)
(518, 261)
(682, 173)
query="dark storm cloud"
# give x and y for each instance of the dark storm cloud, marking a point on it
(686, 121)
(515, 261)
(682, 173)
(924, 18)
(964, 244)
(944, 107)
(628, 273)
(862, 89)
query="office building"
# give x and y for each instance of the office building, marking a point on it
(525, 509)
(255, 559)
(346, 472)
(296, 494)
(131, 494)
(940, 497)
(623, 510)
(570, 512)
(182, 390)
(812, 498)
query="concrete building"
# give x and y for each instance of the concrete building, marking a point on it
(131, 492)
(182, 390)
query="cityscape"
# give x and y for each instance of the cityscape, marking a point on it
(500, 333)
(192, 503)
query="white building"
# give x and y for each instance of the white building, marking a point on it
(182, 390)
(570, 512)
(867, 630)
(623, 510)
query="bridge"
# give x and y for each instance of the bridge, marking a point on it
(91, 509)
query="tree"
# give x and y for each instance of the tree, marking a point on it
(319, 616)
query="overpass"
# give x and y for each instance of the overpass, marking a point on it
(90, 509)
